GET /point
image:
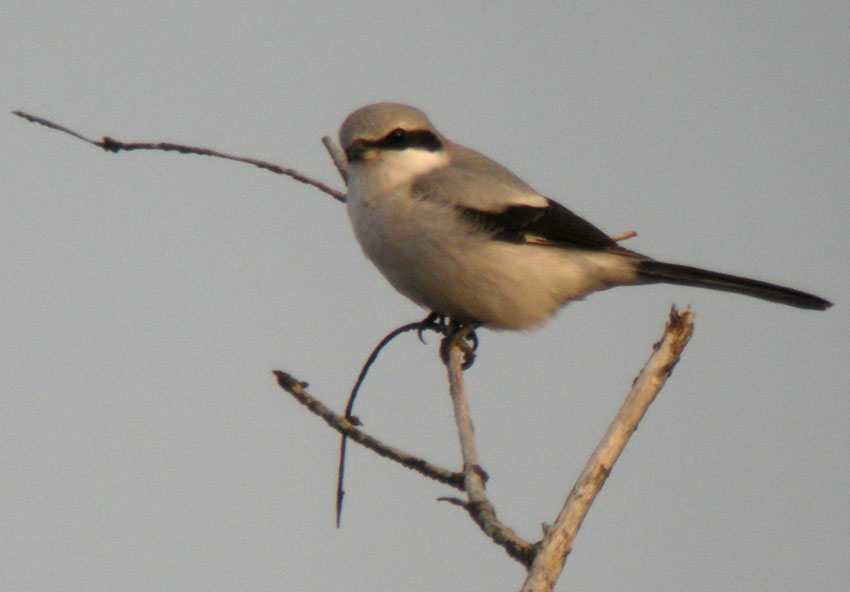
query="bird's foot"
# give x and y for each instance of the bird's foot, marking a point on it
(433, 322)
(465, 338)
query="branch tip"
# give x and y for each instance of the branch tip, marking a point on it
(287, 381)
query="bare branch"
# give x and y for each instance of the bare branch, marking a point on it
(479, 507)
(56, 126)
(297, 389)
(558, 540)
(111, 145)
(474, 476)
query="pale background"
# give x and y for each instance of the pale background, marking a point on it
(145, 298)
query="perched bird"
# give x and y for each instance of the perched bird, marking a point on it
(464, 237)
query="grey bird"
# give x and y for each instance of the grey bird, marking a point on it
(462, 236)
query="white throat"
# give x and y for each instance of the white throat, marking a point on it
(393, 168)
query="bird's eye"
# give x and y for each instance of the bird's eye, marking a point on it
(402, 139)
(396, 136)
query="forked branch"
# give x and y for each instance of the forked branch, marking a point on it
(298, 390)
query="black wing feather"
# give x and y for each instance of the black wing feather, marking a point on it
(552, 223)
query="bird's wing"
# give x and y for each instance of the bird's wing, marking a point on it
(552, 224)
(492, 199)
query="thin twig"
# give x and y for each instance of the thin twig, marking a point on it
(349, 407)
(557, 542)
(112, 145)
(624, 236)
(56, 126)
(337, 156)
(477, 505)
(297, 389)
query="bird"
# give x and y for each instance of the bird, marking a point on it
(465, 238)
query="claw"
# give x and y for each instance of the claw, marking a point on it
(469, 347)
(433, 322)
(468, 360)
(473, 339)
(468, 343)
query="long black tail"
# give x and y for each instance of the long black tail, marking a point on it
(670, 273)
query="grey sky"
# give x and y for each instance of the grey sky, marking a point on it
(146, 297)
